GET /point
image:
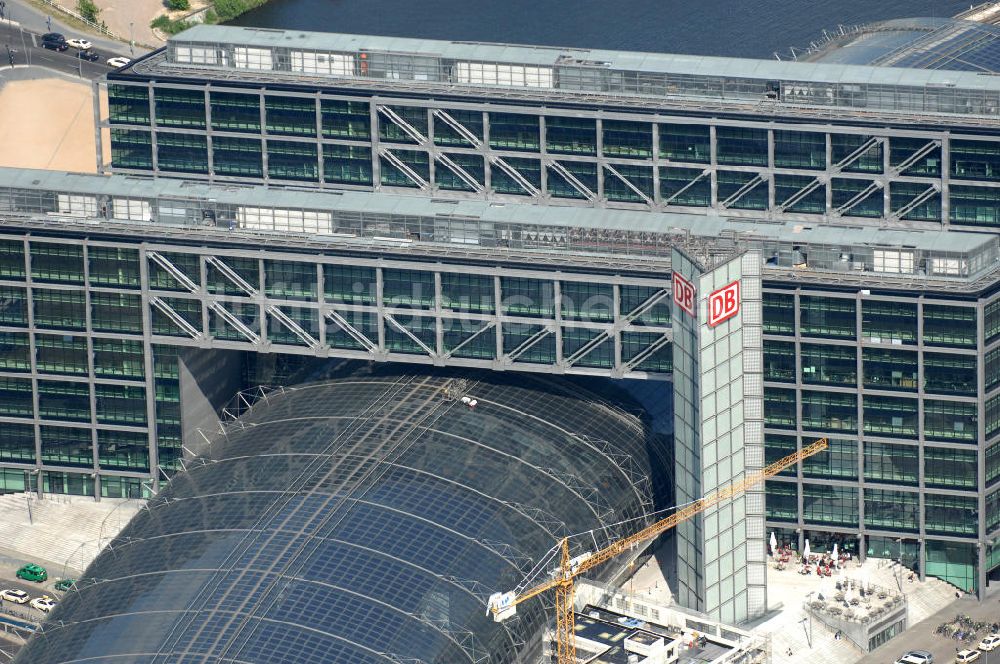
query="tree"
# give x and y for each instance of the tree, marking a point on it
(175, 5)
(88, 10)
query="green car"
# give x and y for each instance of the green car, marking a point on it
(65, 585)
(32, 572)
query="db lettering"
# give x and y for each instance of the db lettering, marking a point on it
(684, 294)
(723, 304)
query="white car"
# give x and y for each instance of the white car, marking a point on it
(916, 657)
(990, 643)
(118, 62)
(81, 44)
(966, 656)
(43, 604)
(14, 595)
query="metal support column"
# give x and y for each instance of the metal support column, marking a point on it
(713, 164)
(98, 126)
(29, 303)
(91, 374)
(147, 358)
(208, 132)
(150, 87)
(946, 179)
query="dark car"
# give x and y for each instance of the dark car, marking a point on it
(65, 585)
(54, 41)
(89, 56)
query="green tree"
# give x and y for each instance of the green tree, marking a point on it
(88, 10)
(175, 5)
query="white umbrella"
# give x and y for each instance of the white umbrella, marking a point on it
(774, 544)
(805, 552)
(836, 559)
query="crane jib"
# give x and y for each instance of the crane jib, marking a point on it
(503, 605)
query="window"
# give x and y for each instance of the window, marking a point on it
(782, 501)
(893, 510)
(952, 267)
(948, 468)
(57, 263)
(60, 309)
(313, 62)
(830, 504)
(892, 464)
(132, 209)
(63, 446)
(61, 354)
(245, 57)
(893, 262)
(890, 416)
(486, 73)
(950, 515)
(779, 361)
(777, 447)
(890, 369)
(950, 421)
(949, 326)
(78, 206)
(779, 408)
(402, 288)
(277, 219)
(831, 365)
(199, 55)
(829, 411)
(839, 460)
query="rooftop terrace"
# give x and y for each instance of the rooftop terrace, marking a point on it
(253, 54)
(480, 229)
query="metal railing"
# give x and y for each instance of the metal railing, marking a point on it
(101, 28)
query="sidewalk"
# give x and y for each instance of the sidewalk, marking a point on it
(35, 20)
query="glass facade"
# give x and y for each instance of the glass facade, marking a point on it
(703, 161)
(894, 376)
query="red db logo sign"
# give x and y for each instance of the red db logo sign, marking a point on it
(684, 294)
(723, 304)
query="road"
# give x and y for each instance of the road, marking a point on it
(26, 48)
(35, 20)
(24, 611)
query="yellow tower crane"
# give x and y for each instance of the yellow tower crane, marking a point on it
(502, 605)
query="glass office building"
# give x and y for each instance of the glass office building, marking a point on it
(364, 518)
(756, 139)
(515, 208)
(126, 298)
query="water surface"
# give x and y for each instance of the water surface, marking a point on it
(744, 28)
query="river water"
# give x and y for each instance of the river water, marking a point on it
(743, 28)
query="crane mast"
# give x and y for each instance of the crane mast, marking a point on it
(503, 605)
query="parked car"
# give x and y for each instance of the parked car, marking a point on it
(65, 585)
(966, 656)
(14, 595)
(118, 62)
(89, 56)
(54, 41)
(32, 572)
(43, 604)
(916, 657)
(81, 44)
(990, 643)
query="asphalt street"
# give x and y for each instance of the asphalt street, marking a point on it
(26, 49)
(32, 19)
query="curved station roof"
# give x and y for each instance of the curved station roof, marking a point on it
(361, 520)
(920, 43)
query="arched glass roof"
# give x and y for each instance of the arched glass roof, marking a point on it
(362, 520)
(920, 43)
